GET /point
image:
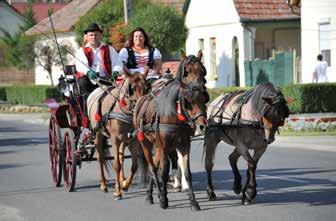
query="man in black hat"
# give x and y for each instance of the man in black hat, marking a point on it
(96, 60)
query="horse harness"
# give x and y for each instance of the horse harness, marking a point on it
(156, 125)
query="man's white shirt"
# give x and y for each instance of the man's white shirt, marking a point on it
(321, 71)
(116, 64)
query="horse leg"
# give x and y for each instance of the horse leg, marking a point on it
(175, 171)
(133, 150)
(233, 158)
(250, 189)
(146, 148)
(185, 186)
(121, 156)
(115, 142)
(101, 161)
(186, 164)
(164, 168)
(210, 145)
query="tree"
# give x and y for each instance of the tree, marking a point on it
(108, 13)
(21, 48)
(164, 26)
(47, 56)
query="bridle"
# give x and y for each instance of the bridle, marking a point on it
(191, 88)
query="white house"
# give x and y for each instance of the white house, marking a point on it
(64, 22)
(11, 20)
(318, 23)
(232, 31)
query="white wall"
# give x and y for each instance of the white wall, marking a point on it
(219, 19)
(312, 13)
(41, 75)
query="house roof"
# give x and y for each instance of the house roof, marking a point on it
(40, 9)
(257, 10)
(65, 19)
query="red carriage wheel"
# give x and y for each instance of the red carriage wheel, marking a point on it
(55, 151)
(70, 159)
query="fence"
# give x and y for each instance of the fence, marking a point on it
(278, 70)
(11, 75)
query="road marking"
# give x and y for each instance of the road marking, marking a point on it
(282, 178)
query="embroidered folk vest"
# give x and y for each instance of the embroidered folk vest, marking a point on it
(104, 55)
(131, 61)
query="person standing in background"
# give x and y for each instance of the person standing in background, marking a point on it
(320, 72)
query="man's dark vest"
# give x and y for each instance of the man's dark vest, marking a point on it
(131, 61)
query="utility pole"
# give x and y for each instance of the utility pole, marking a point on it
(128, 9)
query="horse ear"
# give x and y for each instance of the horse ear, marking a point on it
(183, 55)
(200, 54)
(268, 100)
(290, 100)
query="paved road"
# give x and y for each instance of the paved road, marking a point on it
(296, 181)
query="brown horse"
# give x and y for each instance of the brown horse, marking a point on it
(248, 121)
(167, 118)
(117, 110)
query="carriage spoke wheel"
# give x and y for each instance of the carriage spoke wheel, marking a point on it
(70, 160)
(55, 152)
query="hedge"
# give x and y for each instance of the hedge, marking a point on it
(28, 95)
(309, 98)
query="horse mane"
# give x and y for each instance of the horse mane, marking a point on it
(262, 90)
(167, 98)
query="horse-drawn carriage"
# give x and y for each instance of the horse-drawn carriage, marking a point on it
(68, 151)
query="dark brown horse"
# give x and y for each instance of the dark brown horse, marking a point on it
(166, 119)
(117, 108)
(248, 121)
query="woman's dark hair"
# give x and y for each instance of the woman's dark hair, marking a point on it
(131, 36)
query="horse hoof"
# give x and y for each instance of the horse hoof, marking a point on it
(211, 196)
(246, 201)
(104, 190)
(176, 189)
(237, 189)
(149, 200)
(117, 196)
(195, 207)
(164, 204)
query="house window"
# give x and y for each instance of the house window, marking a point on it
(201, 47)
(324, 35)
(213, 65)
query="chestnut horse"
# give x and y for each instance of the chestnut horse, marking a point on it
(248, 121)
(166, 119)
(117, 110)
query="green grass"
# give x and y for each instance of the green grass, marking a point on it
(307, 133)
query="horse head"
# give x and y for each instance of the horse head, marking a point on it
(193, 98)
(136, 87)
(191, 68)
(274, 113)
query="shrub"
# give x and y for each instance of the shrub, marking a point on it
(30, 95)
(311, 98)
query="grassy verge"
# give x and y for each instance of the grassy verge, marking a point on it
(307, 133)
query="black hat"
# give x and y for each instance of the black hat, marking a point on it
(93, 27)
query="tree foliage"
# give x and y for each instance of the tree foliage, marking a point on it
(21, 48)
(164, 26)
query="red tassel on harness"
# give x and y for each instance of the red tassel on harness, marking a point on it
(180, 116)
(97, 117)
(85, 122)
(122, 103)
(140, 136)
